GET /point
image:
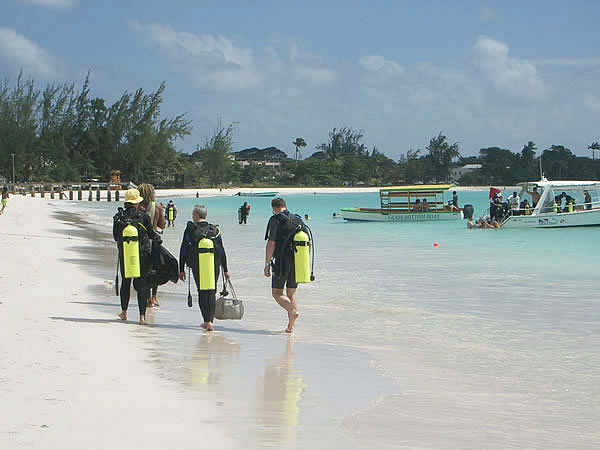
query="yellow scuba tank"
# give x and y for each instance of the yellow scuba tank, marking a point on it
(206, 264)
(554, 207)
(571, 206)
(302, 257)
(171, 214)
(131, 252)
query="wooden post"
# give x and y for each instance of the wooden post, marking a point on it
(98, 195)
(79, 195)
(108, 195)
(90, 196)
(117, 195)
(52, 192)
(70, 195)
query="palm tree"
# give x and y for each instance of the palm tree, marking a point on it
(299, 143)
(593, 147)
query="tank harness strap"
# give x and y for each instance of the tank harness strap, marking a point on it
(206, 250)
(130, 239)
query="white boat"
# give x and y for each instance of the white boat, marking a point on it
(417, 203)
(552, 212)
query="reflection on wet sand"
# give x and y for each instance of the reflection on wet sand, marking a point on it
(213, 351)
(278, 396)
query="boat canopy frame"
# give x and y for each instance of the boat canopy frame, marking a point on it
(412, 198)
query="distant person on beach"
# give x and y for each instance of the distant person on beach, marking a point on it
(170, 213)
(157, 218)
(131, 215)
(306, 217)
(5, 198)
(334, 215)
(279, 256)
(195, 231)
(244, 212)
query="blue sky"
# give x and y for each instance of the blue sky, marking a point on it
(495, 73)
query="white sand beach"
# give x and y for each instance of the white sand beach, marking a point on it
(70, 376)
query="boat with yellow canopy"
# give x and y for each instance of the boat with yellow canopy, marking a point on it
(414, 203)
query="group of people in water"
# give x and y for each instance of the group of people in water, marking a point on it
(135, 230)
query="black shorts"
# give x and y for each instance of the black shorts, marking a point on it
(284, 274)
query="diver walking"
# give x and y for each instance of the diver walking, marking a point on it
(203, 252)
(287, 257)
(132, 230)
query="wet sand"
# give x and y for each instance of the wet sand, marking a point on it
(74, 376)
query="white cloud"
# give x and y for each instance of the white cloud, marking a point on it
(576, 62)
(18, 51)
(379, 64)
(53, 3)
(309, 67)
(205, 58)
(513, 76)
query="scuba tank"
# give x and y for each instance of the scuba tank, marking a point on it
(527, 210)
(131, 252)
(571, 206)
(554, 207)
(171, 214)
(302, 257)
(206, 264)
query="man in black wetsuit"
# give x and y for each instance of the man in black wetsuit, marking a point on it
(278, 254)
(133, 215)
(187, 255)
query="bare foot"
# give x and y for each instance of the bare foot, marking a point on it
(149, 304)
(142, 320)
(204, 325)
(123, 315)
(155, 301)
(292, 316)
(209, 326)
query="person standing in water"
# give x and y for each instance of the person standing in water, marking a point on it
(157, 218)
(195, 231)
(244, 213)
(279, 259)
(171, 213)
(131, 215)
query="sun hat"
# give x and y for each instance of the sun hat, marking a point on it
(133, 196)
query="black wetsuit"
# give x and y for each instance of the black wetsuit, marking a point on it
(140, 284)
(206, 297)
(283, 268)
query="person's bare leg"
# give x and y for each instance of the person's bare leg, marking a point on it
(209, 326)
(155, 301)
(123, 315)
(291, 294)
(286, 304)
(142, 320)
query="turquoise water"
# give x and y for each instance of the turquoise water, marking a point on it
(491, 331)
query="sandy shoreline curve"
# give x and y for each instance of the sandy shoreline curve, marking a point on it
(73, 376)
(227, 192)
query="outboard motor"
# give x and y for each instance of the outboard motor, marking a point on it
(468, 211)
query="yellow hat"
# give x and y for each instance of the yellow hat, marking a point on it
(133, 196)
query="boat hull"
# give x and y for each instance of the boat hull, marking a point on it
(588, 218)
(256, 194)
(361, 215)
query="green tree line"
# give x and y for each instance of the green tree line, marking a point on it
(62, 133)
